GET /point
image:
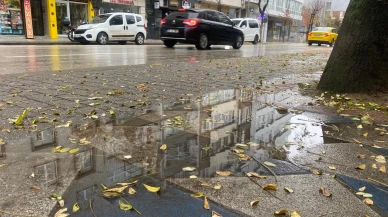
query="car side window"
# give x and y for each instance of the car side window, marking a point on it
(212, 16)
(139, 19)
(224, 19)
(334, 31)
(202, 15)
(116, 20)
(253, 24)
(130, 19)
(243, 24)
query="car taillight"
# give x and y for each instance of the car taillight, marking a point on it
(163, 21)
(181, 10)
(191, 23)
(310, 34)
(145, 27)
(327, 34)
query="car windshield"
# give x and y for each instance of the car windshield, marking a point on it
(321, 29)
(182, 15)
(236, 22)
(101, 18)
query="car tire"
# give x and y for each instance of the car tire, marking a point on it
(202, 42)
(238, 42)
(310, 43)
(139, 39)
(319, 44)
(256, 40)
(85, 42)
(102, 38)
(332, 43)
(209, 46)
(169, 43)
(122, 42)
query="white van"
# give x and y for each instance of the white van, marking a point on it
(250, 27)
(120, 27)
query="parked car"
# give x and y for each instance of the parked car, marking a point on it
(200, 27)
(250, 28)
(323, 35)
(120, 27)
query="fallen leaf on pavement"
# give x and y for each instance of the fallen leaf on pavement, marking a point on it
(362, 189)
(272, 187)
(193, 177)
(374, 166)
(269, 164)
(368, 201)
(256, 175)
(104, 187)
(35, 187)
(358, 142)
(223, 173)
(205, 184)
(359, 126)
(380, 159)
(76, 207)
(114, 192)
(289, 190)
(365, 134)
(241, 145)
(2, 165)
(295, 213)
(325, 192)
(206, 203)
(316, 172)
(217, 186)
(383, 169)
(163, 147)
(361, 167)
(62, 213)
(131, 191)
(362, 156)
(254, 202)
(84, 142)
(332, 167)
(197, 195)
(281, 212)
(127, 183)
(73, 151)
(63, 150)
(216, 214)
(2, 142)
(152, 189)
(189, 169)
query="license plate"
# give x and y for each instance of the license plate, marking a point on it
(172, 30)
(318, 34)
(77, 35)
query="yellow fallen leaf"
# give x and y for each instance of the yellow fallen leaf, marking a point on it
(131, 191)
(76, 207)
(189, 169)
(83, 141)
(223, 173)
(73, 151)
(362, 156)
(289, 190)
(152, 189)
(361, 167)
(281, 212)
(332, 167)
(63, 150)
(368, 201)
(272, 187)
(325, 192)
(205, 184)
(61, 213)
(206, 203)
(197, 195)
(269, 164)
(360, 193)
(362, 189)
(256, 175)
(163, 147)
(125, 206)
(365, 134)
(367, 195)
(295, 213)
(193, 177)
(316, 172)
(104, 187)
(254, 202)
(383, 169)
(374, 166)
(216, 214)
(380, 159)
(57, 149)
(217, 186)
(2, 165)
(358, 142)
(127, 183)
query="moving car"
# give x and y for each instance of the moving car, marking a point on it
(250, 28)
(120, 27)
(323, 35)
(200, 27)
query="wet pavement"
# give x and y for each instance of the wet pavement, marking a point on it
(38, 58)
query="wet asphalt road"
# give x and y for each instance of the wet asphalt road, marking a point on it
(38, 58)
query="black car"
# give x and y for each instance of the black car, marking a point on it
(200, 27)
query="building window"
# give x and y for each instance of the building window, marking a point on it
(328, 5)
(84, 162)
(86, 195)
(47, 173)
(43, 139)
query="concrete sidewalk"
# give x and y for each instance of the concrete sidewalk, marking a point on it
(45, 40)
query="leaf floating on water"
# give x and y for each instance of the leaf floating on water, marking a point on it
(83, 141)
(281, 212)
(332, 167)
(125, 206)
(62, 213)
(114, 192)
(206, 203)
(76, 207)
(163, 147)
(316, 172)
(383, 169)
(289, 190)
(127, 183)
(361, 167)
(197, 195)
(152, 189)
(104, 187)
(367, 195)
(272, 187)
(360, 193)
(325, 192)
(131, 191)
(368, 201)
(223, 173)
(362, 189)
(256, 175)
(73, 151)
(269, 164)
(216, 214)
(295, 213)
(189, 169)
(254, 202)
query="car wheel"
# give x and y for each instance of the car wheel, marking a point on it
(332, 43)
(203, 42)
(319, 44)
(85, 42)
(239, 42)
(256, 40)
(310, 43)
(169, 43)
(122, 42)
(209, 46)
(102, 38)
(139, 40)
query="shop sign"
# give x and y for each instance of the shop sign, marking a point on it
(28, 18)
(3, 7)
(186, 4)
(174, 3)
(122, 2)
(156, 5)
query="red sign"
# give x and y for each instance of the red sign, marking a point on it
(28, 18)
(123, 2)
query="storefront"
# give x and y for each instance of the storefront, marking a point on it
(129, 6)
(74, 11)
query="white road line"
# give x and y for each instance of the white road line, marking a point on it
(64, 55)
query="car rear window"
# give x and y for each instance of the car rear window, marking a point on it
(321, 29)
(182, 15)
(236, 21)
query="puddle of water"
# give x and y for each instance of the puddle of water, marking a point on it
(198, 134)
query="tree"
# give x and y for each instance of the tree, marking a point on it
(287, 21)
(359, 61)
(96, 6)
(262, 11)
(313, 7)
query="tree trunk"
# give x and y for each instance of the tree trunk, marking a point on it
(359, 61)
(261, 31)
